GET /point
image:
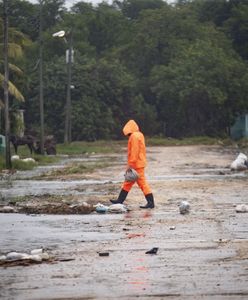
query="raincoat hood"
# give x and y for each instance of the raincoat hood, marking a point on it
(130, 127)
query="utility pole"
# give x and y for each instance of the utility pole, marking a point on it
(41, 97)
(6, 83)
(67, 136)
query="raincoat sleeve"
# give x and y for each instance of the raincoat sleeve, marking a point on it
(133, 151)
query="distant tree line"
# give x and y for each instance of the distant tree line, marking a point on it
(177, 69)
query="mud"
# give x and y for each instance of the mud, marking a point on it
(201, 255)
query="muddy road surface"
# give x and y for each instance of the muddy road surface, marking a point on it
(201, 255)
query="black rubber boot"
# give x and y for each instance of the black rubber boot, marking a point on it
(150, 202)
(121, 198)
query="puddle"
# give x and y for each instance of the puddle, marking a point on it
(35, 187)
(53, 231)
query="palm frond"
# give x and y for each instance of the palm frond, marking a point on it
(12, 68)
(15, 69)
(19, 37)
(13, 90)
(13, 51)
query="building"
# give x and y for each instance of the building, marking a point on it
(240, 127)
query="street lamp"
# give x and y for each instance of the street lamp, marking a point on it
(41, 97)
(69, 61)
(6, 84)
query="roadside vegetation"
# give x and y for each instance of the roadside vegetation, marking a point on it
(79, 168)
(76, 148)
(197, 140)
(177, 69)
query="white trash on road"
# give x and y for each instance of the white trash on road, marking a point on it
(36, 255)
(184, 207)
(241, 208)
(240, 163)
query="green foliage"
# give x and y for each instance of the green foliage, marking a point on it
(23, 165)
(198, 88)
(88, 147)
(79, 168)
(178, 70)
(236, 28)
(243, 144)
(132, 8)
(196, 140)
(45, 160)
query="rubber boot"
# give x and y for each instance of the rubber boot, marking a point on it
(121, 198)
(150, 202)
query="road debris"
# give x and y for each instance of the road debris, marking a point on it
(101, 209)
(240, 163)
(103, 253)
(35, 256)
(152, 251)
(7, 209)
(15, 157)
(117, 208)
(241, 208)
(27, 160)
(134, 235)
(114, 208)
(184, 207)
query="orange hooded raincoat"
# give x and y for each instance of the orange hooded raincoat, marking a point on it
(136, 156)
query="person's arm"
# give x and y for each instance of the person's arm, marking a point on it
(133, 151)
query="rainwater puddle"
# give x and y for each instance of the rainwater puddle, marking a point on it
(36, 187)
(17, 187)
(20, 232)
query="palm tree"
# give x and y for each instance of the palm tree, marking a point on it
(17, 41)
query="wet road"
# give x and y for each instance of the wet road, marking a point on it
(197, 259)
(201, 255)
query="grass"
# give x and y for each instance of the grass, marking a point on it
(23, 152)
(22, 165)
(197, 140)
(79, 168)
(76, 148)
(46, 197)
(243, 143)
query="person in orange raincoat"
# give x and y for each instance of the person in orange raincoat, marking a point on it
(137, 161)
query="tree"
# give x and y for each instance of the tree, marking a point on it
(107, 29)
(199, 90)
(172, 68)
(132, 8)
(17, 41)
(24, 16)
(236, 28)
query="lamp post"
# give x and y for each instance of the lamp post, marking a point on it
(6, 84)
(69, 60)
(41, 97)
